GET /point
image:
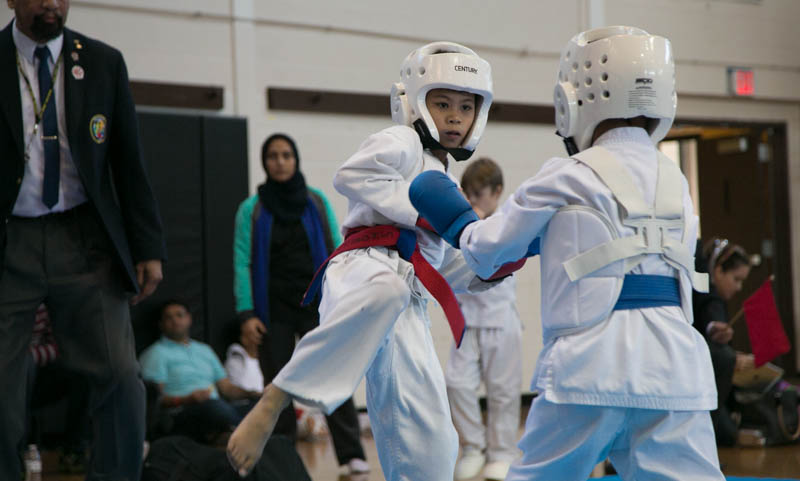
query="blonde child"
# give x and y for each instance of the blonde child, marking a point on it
(491, 352)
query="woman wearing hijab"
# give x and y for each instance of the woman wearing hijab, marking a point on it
(283, 233)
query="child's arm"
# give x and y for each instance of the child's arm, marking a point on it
(377, 174)
(460, 276)
(510, 233)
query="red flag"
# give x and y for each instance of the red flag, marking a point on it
(767, 337)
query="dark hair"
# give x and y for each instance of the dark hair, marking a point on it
(172, 302)
(232, 333)
(481, 173)
(270, 139)
(721, 252)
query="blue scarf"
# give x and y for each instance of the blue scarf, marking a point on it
(261, 243)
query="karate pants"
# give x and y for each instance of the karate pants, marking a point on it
(565, 441)
(373, 323)
(494, 356)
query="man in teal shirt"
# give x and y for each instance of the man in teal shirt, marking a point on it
(191, 378)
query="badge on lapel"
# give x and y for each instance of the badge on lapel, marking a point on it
(97, 128)
(77, 72)
(74, 56)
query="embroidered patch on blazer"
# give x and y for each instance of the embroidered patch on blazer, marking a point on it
(97, 128)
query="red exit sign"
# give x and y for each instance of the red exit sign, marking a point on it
(741, 82)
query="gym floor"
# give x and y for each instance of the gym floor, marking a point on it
(319, 458)
(775, 462)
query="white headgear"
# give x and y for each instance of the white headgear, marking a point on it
(614, 73)
(444, 65)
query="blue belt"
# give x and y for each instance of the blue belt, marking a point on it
(643, 290)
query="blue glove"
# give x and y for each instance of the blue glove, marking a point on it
(438, 200)
(534, 248)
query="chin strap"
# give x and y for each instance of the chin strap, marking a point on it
(569, 144)
(432, 144)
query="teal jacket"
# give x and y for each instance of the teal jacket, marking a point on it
(253, 223)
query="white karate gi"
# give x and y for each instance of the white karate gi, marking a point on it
(637, 385)
(490, 352)
(373, 318)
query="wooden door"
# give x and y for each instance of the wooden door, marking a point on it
(744, 198)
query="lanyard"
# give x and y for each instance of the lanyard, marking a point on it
(38, 112)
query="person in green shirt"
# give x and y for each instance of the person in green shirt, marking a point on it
(191, 378)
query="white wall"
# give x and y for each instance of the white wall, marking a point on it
(245, 46)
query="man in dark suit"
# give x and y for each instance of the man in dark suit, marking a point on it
(79, 228)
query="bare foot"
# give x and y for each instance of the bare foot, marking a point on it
(247, 441)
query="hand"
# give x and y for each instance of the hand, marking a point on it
(438, 200)
(253, 331)
(200, 395)
(744, 361)
(148, 275)
(720, 332)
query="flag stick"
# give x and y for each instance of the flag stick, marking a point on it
(736, 317)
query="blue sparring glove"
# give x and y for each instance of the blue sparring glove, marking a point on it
(534, 248)
(438, 200)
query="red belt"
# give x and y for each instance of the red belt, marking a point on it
(405, 242)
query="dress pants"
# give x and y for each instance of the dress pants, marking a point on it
(289, 322)
(67, 261)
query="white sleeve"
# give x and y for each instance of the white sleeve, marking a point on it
(459, 275)
(378, 174)
(504, 236)
(235, 367)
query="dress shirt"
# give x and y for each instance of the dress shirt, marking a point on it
(70, 191)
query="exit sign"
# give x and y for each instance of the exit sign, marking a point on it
(741, 82)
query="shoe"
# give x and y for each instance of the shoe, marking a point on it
(470, 465)
(496, 470)
(357, 466)
(751, 438)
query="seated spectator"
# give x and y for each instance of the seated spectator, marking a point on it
(244, 369)
(728, 265)
(191, 378)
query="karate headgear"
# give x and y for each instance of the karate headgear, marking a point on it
(444, 65)
(614, 73)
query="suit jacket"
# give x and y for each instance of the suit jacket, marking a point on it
(108, 161)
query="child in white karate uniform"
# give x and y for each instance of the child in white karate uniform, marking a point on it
(373, 319)
(491, 352)
(623, 374)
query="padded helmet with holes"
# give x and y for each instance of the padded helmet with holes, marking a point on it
(444, 65)
(614, 73)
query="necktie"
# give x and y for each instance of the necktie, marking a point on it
(49, 130)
